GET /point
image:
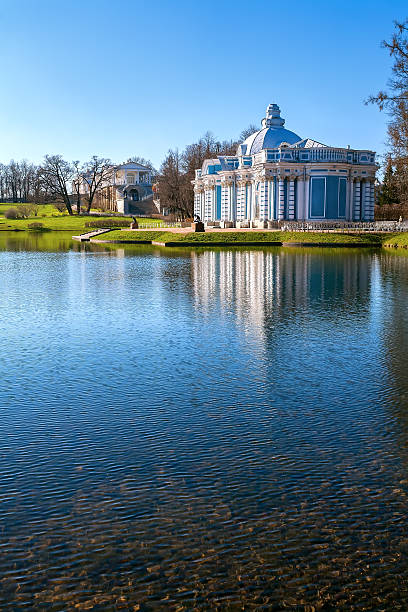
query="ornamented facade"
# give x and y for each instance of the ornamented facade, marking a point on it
(277, 175)
(127, 190)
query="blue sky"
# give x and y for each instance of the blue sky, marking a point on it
(137, 78)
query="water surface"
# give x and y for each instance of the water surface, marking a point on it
(202, 429)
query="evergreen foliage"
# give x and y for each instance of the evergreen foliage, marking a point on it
(388, 194)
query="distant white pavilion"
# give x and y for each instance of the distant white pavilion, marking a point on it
(277, 175)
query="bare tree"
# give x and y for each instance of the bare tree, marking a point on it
(56, 176)
(142, 161)
(95, 174)
(3, 183)
(76, 184)
(248, 132)
(40, 191)
(13, 179)
(27, 174)
(173, 185)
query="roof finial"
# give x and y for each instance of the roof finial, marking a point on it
(273, 118)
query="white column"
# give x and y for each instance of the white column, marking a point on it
(225, 202)
(357, 204)
(196, 203)
(202, 205)
(271, 198)
(244, 212)
(239, 201)
(306, 198)
(363, 195)
(291, 199)
(248, 200)
(263, 204)
(281, 199)
(213, 203)
(232, 202)
(207, 205)
(372, 207)
(252, 200)
(366, 201)
(300, 199)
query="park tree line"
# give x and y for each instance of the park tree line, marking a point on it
(61, 182)
(57, 181)
(20, 182)
(392, 200)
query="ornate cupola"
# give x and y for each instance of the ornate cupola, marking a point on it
(271, 135)
(273, 117)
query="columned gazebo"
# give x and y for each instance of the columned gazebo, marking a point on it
(277, 175)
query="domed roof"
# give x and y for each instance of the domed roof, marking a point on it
(272, 134)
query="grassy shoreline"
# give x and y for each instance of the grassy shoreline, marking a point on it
(165, 238)
(397, 241)
(52, 220)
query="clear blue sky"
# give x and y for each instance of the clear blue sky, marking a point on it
(137, 78)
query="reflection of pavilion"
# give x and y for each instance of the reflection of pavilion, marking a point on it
(267, 287)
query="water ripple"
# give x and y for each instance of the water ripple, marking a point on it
(219, 430)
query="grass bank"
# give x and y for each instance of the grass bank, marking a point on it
(397, 240)
(53, 220)
(250, 238)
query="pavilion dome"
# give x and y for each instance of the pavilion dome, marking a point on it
(271, 136)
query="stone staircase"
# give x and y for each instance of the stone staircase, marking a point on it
(143, 207)
(86, 237)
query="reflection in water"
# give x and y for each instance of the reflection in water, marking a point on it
(202, 430)
(264, 287)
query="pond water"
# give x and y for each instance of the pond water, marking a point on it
(202, 429)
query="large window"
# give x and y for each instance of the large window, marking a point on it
(328, 197)
(317, 197)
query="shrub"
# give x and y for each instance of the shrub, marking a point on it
(121, 222)
(25, 211)
(12, 213)
(36, 225)
(391, 212)
(60, 206)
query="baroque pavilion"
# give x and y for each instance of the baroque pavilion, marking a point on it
(277, 175)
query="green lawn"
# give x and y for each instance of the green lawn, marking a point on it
(397, 240)
(231, 237)
(333, 238)
(56, 221)
(136, 236)
(45, 209)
